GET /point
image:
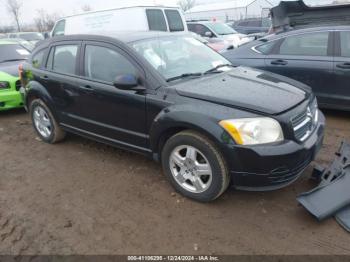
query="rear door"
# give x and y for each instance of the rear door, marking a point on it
(342, 70)
(60, 79)
(307, 58)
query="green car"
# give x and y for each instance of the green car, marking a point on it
(11, 56)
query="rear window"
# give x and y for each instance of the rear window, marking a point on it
(12, 52)
(174, 20)
(156, 20)
(31, 36)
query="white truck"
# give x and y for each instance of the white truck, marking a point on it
(134, 18)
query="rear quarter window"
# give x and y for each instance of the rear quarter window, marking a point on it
(174, 20)
(266, 48)
(38, 59)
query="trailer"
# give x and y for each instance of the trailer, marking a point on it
(230, 11)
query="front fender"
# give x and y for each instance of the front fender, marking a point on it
(180, 117)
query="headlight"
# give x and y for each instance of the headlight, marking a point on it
(253, 131)
(4, 85)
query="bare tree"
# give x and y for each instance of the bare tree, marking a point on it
(186, 4)
(45, 21)
(14, 8)
(86, 8)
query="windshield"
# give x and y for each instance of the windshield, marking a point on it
(12, 52)
(31, 36)
(175, 56)
(221, 29)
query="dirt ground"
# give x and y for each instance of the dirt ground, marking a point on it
(82, 197)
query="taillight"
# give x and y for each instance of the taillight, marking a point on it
(20, 73)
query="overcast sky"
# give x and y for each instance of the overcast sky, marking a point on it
(68, 7)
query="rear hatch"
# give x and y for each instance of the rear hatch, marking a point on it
(296, 15)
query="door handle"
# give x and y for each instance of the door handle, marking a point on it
(279, 62)
(44, 78)
(344, 66)
(87, 88)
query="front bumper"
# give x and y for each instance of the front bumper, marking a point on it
(10, 99)
(274, 166)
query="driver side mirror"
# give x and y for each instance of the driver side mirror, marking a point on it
(126, 82)
(208, 34)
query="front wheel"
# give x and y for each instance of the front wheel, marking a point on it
(194, 166)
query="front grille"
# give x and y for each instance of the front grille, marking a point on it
(305, 122)
(18, 85)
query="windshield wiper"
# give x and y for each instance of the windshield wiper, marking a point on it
(12, 60)
(216, 69)
(184, 76)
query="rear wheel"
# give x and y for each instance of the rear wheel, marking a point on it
(44, 123)
(194, 166)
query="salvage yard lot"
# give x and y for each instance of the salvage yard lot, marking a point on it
(82, 197)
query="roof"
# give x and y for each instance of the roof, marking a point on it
(305, 30)
(234, 4)
(126, 37)
(145, 5)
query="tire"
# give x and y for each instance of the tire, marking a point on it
(40, 112)
(183, 173)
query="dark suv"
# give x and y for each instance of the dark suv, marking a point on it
(172, 98)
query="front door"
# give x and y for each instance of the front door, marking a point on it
(108, 112)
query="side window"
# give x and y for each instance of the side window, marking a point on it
(105, 64)
(266, 48)
(174, 20)
(64, 59)
(314, 44)
(199, 29)
(59, 28)
(345, 44)
(38, 59)
(156, 20)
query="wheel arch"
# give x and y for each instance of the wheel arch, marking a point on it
(168, 124)
(36, 91)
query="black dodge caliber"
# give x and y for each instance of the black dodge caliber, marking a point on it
(172, 98)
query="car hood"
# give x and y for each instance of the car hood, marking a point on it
(297, 14)
(10, 68)
(248, 89)
(233, 36)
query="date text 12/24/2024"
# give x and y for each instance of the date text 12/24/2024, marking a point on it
(173, 258)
